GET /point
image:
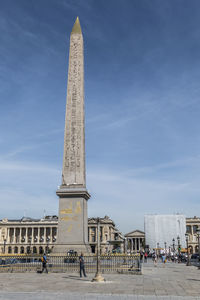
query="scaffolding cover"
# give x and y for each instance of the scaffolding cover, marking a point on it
(164, 228)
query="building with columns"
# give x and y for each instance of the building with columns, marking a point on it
(36, 236)
(28, 235)
(192, 224)
(135, 241)
(111, 238)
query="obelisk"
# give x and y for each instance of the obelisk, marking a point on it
(73, 195)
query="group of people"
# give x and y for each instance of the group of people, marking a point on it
(144, 256)
(81, 263)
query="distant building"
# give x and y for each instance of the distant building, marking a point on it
(135, 241)
(160, 230)
(192, 224)
(37, 236)
(111, 238)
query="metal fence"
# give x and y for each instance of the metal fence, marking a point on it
(109, 264)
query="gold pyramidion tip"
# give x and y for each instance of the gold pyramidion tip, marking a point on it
(77, 27)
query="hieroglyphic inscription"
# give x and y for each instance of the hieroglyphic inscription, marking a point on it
(72, 213)
(74, 164)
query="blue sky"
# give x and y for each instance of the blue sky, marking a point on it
(142, 70)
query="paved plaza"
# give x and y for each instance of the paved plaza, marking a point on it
(174, 281)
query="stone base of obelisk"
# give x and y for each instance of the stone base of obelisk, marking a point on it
(73, 220)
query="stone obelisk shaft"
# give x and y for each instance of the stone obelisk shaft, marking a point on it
(73, 196)
(74, 141)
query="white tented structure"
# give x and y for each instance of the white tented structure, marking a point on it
(161, 229)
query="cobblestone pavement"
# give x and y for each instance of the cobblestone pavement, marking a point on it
(172, 282)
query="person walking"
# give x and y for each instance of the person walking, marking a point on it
(155, 260)
(145, 257)
(164, 260)
(141, 256)
(82, 265)
(44, 263)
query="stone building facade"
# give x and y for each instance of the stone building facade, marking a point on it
(27, 236)
(192, 224)
(111, 238)
(135, 241)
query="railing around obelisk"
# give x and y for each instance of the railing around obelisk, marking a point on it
(127, 264)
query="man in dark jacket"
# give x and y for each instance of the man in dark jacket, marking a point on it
(82, 265)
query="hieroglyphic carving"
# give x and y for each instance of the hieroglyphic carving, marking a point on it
(71, 212)
(74, 161)
(68, 218)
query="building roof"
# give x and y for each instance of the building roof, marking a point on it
(135, 233)
(105, 220)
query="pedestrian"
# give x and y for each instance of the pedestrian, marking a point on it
(164, 259)
(155, 260)
(44, 263)
(82, 265)
(145, 256)
(141, 256)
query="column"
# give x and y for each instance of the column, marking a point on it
(14, 235)
(89, 234)
(131, 248)
(39, 233)
(103, 236)
(51, 237)
(45, 230)
(139, 244)
(20, 235)
(26, 236)
(192, 233)
(136, 244)
(8, 235)
(96, 235)
(32, 236)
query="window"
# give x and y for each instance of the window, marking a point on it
(188, 229)
(195, 227)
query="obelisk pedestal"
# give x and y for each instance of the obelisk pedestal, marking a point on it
(73, 195)
(73, 220)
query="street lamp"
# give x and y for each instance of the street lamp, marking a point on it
(98, 277)
(179, 247)
(125, 245)
(157, 252)
(173, 245)
(188, 254)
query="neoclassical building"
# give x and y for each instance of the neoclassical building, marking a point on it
(192, 224)
(36, 236)
(135, 241)
(111, 238)
(28, 235)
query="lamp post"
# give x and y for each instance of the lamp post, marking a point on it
(179, 248)
(188, 254)
(125, 245)
(165, 248)
(157, 252)
(173, 245)
(173, 249)
(98, 277)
